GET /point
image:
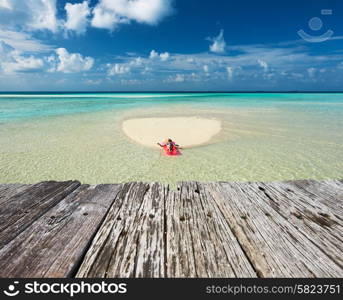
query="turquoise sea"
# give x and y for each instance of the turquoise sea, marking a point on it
(265, 136)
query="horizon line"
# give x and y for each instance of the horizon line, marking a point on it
(186, 91)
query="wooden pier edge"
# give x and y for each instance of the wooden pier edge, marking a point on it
(216, 229)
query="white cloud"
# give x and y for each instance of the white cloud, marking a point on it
(138, 61)
(109, 13)
(77, 17)
(12, 61)
(29, 15)
(277, 63)
(23, 64)
(146, 70)
(243, 67)
(163, 56)
(93, 81)
(23, 41)
(153, 54)
(178, 78)
(103, 18)
(5, 4)
(263, 64)
(43, 14)
(5, 51)
(175, 78)
(219, 43)
(72, 62)
(118, 69)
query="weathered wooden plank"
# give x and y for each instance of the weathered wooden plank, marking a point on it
(130, 243)
(179, 249)
(54, 244)
(327, 192)
(289, 229)
(9, 190)
(309, 216)
(21, 210)
(274, 246)
(200, 242)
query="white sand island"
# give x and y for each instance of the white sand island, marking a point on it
(186, 131)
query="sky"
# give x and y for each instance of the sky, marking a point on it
(171, 45)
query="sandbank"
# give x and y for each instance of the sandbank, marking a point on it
(185, 131)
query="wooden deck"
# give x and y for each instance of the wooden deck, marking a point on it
(68, 229)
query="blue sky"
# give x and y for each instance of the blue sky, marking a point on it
(137, 45)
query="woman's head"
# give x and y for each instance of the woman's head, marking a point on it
(170, 140)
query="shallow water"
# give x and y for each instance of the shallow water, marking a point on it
(78, 136)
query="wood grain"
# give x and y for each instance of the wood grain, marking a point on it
(274, 246)
(22, 209)
(200, 242)
(65, 229)
(130, 241)
(309, 216)
(327, 192)
(54, 244)
(9, 190)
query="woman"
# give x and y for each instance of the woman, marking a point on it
(170, 144)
